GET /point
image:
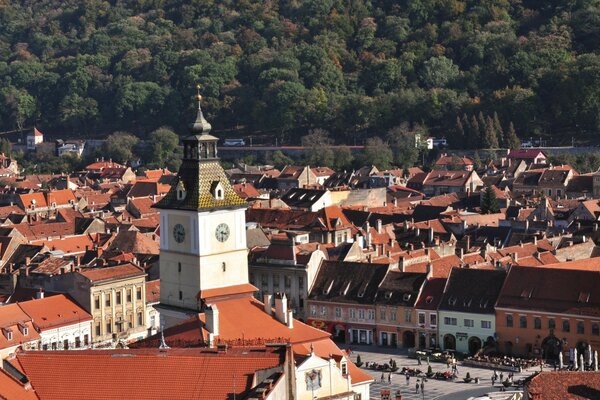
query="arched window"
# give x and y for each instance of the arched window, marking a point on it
(551, 323)
(580, 328)
(509, 321)
(522, 321)
(595, 330)
(537, 323)
(566, 326)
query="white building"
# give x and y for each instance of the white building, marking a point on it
(61, 323)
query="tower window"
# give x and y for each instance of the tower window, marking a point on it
(217, 190)
(180, 295)
(179, 267)
(181, 193)
(224, 267)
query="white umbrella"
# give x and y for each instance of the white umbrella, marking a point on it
(560, 360)
(581, 362)
(588, 355)
(596, 360)
(574, 359)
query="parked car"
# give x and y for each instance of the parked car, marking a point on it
(234, 142)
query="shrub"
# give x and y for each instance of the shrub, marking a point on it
(358, 362)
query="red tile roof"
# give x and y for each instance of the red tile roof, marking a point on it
(54, 312)
(103, 164)
(108, 273)
(147, 373)
(11, 315)
(153, 291)
(564, 385)
(226, 291)
(12, 389)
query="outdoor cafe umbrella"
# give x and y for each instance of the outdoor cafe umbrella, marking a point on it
(581, 365)
(596, 360)
(560, 360)
(575, 359)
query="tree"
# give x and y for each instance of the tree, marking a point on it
(474, 133)
(5, 147)
(343, 158)
(317, 148)
(490, 140)
(403, 143)
(280, 160)
(119, 146)
(511, 140)
(378, 153)
(164, 149)
(438, 72)
(489, 202)
(457, 139)
(499, 130)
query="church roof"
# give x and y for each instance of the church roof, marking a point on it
(197, 179)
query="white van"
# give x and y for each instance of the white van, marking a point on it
(234, 142)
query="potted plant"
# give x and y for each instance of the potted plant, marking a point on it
(429, 372)
(358, 362)
(467, 378)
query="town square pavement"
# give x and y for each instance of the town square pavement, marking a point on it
(434, 389)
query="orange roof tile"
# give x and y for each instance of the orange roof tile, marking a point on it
(226, 291)
(54, 311)
(153, 291)
(12, 389)
(70, 245)
(108, 273)
(147, 373)
(11, 315)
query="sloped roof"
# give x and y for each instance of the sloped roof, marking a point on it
(431, 294)
(348, 282)
(557, 290)
(118, 272)
(54, 311)
(400, 288)
(525, 154)
(191, 373)
(472, 290)
(197, 179)
(133, 242)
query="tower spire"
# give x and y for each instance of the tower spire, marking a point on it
(200, 126)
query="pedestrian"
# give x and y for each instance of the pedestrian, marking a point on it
(382, 378)
(493, 379)
(390, 378)
(422, 387)
(417, 387)
(501, 377)
(407, 378)
(419, 359)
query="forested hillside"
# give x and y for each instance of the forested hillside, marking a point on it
(353, 67)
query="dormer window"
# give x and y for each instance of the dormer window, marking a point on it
(344, 368)
(452, 300)
(326, 292)
(406, 297)
(8, 334)
(24, 329)
(181, 192)
(217, 190)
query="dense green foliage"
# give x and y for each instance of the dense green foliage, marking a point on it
(353, 67)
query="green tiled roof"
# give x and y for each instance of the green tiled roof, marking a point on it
(197, 178)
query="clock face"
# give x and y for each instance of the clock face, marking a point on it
(179, 233)
(222, 232)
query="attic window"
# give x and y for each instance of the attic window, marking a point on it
(526, 293)
(406, 297)
(483, 303)
(467, 303)
(388, 295)
(24, 329)
(428, 299)
(326, 291)
(217, 190)
(346, 289)
(363, 289)
(452, 300)
(584, 297)
(8, 333)
(181, 192)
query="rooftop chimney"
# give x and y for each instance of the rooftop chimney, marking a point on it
(290, 319)
(281, 307)
(430, 234)
(379, 227)
(267, 298)
(212, 319)
(40, 293)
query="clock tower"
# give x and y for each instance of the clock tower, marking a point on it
(202, 229)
